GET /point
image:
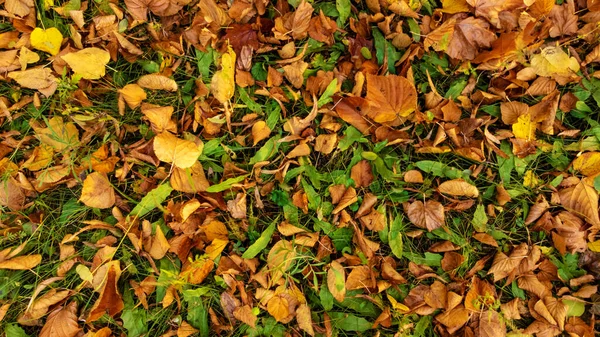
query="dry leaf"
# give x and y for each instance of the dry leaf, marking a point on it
(336, 281)
(278, 307)
(89, 63)
(179, 152)
(390, 97)
(458, 188)
(97, 191)
(362, 174)
(133, 95)
(245, 314)
(583, 200)
(222, 84)
(21, 262)
(110, 301)
(62, 322)
(304, 319)
(157, 82)
(428, 214)
(260, 131)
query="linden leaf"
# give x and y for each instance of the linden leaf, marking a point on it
(179, 152)
(524, 128)
(133, 95)
(36, 78)
(583, 200)
(89, 63)
(157, 82)
(62, 322)
(428, 214)
(48, 40)
(222, 85)
(278, 307)
(458, 188)
(588, 163)
(554, 61)
(97, 191)
(246, 315)
(390, 97)
(21, 262)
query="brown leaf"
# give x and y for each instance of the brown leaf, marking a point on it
(110, 300)
(62, 322)
(390, 97)
(160, 246)
(581, 199)
(428, 214)
(461, 39)
(304, 319)
(97, 191)
(348, 198)
(326, 143)
(362, 174)
(294, 73)
(157, 82)
(237, 206)
(245, 314)
(159, 116)
(458, 188)
(454, 318)
(504, 265)
(564, 19)
(301, 20)
(189, 180)
(40, 306)
(360, 277)
(413, 177)
(11, 194)
(186, 329)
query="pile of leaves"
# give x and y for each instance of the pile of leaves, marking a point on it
(288, 168)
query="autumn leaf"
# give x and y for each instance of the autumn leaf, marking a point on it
(246, 315)
(157, 82)
(458, 188)
(428, 214)
(222, 84)
(179, 152)
(260, 131)
(133, 95)
(336, 281)
(62, 322)
(47, 40)
(89, 63)
(97, 191)
(583, 200)
(554, 61)
(390, 97)
(110, 301)
(21, 262)
(304, 319)
(362, 174)
(587, 163)
(278, 307)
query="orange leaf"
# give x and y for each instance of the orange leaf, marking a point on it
(581, 199)
(390, 97)
(97, 191)
(336, 281)
(62, 322)
(278, 308)
(110, 300)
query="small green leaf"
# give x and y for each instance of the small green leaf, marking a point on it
(13, 330)
(135, 322)
(227, 184)
(261, 243)
(480, 219)
(152, 200)
(395, 237)
(349, 322)
(574, 308)
(343, 7)
(329, 91)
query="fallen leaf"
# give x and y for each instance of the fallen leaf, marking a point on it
(157, 82)
(133, 95)
(21, 262)
(390, 97)
(428, 214)
(260, 131)
(97, 191)
(278, 307)
(458, 188)
(336, 281)
(48, 40)
(110, 301)
(222, 84)
(360, 277)
(89, 63)
(583, 200)
(554, 61)
(246, 315)
(62, 322)
(362, 174)
(304, 319)
(160, 246)
(179, 152)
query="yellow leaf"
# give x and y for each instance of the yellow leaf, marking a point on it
(304, 319)
(21, 262)
(26, 57)
(159, 117)
(588, 163)
(278, 308)
(530, 180)
(222, 85)
(458, 188)
(455, 6)
(180, 152)
(97, 191)
(133, 95)
(524, 128)
(246, 315)
(90, 63)
(48, 40)
(215, 248)
(554, 61)
(157, 82)
(160, 245)
(336, 281)
(40, 158)
(594, 246)
(59, 135)
(36, 78)
(260, 131)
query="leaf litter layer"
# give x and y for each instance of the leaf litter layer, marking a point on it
(325, 168)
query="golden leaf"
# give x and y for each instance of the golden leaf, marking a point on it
(304, 319)
(588, 163)
(222, 84)
(160, 117)
(179, 152)
(326, 143)
(36, 78)
(133, 95)
(21, 262)
(260, 131)
(246, 315)
(89, 63)
(160, 245)
(97, 191)
(524, 128)
(189, 180)
(554, 61)
(48, 40)
(458, 188)
(60, 135)
(360, 277)
(157, 82)
(278, 307)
